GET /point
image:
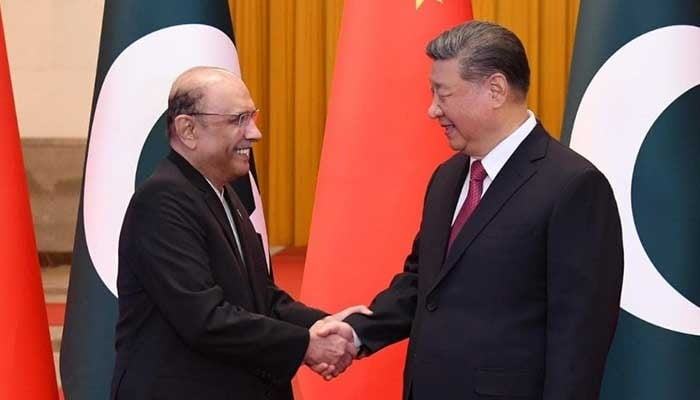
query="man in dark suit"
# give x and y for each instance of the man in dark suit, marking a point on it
(512, 287)
(199, 316)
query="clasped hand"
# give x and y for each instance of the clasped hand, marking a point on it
(332, 345)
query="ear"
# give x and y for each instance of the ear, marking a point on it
(185, 131)
(498, 89)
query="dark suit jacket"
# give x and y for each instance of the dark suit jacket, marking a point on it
(525, 303)
(198, 320)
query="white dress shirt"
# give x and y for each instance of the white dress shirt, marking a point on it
(497, 158)
(229, 216)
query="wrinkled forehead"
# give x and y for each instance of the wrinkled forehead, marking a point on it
(227, 96)
(222, 91)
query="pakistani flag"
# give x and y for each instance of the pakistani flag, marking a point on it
(144, 46)
(634, 111)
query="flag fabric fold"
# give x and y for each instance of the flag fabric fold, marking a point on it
(632, 110)
(379, 151)
(26, 358)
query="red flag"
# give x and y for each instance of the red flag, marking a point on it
(379, 151)
(26, 360)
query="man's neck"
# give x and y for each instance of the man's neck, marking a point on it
(510, 120)
(210, 176)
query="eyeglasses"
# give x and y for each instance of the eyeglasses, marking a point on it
(241, 120)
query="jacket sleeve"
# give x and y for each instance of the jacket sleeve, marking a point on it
(285, 308)
(584, 280)
(395, 307)
(174, 269)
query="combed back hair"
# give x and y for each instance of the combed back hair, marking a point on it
(484, 48)
(182, 101)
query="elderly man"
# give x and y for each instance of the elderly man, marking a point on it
(199, 317)
(513, 283)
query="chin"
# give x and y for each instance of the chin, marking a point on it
(241, 172)
(456, 147)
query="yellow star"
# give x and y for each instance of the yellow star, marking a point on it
(420, 3)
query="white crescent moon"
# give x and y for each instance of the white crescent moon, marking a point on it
(132, 98)
(622, 102)
(257, 218)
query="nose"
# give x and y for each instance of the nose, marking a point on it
(252, 132)
(434, 111)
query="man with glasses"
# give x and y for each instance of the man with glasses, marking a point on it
(199, 316)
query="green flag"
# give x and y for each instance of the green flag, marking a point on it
(144, 46)
(634, 111)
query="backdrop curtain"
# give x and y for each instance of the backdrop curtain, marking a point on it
(287, 51)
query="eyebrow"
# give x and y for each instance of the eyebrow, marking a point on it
(435, 84)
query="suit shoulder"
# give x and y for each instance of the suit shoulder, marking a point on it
(165, 176)
(456, 161)
(166, 182)
(566, 160)
(564, 167)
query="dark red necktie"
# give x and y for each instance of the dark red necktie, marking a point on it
(476, 184)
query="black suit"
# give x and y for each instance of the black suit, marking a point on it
(194, 320)
(525, 303)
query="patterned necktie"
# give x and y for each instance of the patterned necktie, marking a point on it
(476, 184)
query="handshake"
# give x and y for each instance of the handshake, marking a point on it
(332, 343)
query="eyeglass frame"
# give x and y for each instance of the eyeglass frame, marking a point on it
(237, 117)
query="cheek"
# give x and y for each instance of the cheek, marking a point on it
(464, 118)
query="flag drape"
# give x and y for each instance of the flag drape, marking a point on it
(26, 360)
(632, 110)
(144, 46)
(379, 150)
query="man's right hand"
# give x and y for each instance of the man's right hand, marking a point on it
(333, 328)
(331, 354)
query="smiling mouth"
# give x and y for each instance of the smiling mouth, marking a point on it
(447, 128)
(243, 152)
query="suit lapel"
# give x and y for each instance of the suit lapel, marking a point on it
(248, 238)
(443, 195)
(217, 209)
(519, 168)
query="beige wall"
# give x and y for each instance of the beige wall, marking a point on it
(52, 49)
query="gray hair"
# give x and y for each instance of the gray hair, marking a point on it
(484, 48)
(188, 90)
(182, 101)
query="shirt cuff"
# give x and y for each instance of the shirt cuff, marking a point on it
(356, 339)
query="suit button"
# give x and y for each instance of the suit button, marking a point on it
(431, 306)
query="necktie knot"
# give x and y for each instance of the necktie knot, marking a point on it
(478, 173)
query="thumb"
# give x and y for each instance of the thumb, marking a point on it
(328, 328)
(358, 309)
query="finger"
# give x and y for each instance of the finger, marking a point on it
(343, 364)
(318, 324)
(328, 374)
(319, 368)
(329, 328)
(328, 371)
(358, 309)
(352, 350)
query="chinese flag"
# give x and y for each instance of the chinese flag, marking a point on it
(379, 151)
(26, 361)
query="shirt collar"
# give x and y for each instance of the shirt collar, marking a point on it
(218, 192)
(494, 161)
